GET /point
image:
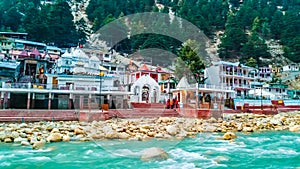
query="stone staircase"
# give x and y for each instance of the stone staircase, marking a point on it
(21, 115)
(143, 113)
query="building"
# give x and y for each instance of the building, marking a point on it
(264, 73)
(30, 48)
(276, 70)
(6, 44)
(280, 91)
(291, 67)
(231, 75)
(161, 81)
(14, 35)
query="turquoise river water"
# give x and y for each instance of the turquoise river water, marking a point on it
(255, 150)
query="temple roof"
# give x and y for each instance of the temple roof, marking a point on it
(67, 54)
(35, 52)
(95, 58)
(24, 53)
(183, 83)
(144, 67)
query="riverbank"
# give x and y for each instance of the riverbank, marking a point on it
(38, 133)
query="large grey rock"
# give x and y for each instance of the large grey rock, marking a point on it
(172, 130)
(154, 153)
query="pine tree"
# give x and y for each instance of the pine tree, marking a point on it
(188, 53)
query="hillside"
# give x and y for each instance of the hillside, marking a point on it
(268, 31)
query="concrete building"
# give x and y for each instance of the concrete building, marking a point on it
(233, 75)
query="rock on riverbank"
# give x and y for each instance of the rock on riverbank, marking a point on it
(142, 129)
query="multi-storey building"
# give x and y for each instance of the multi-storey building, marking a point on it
(234, 75)
(14, 35)
(264, 73)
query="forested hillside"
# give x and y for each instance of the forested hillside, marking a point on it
(247, 25)
(49, 23)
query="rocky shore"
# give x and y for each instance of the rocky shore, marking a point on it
(38, 133)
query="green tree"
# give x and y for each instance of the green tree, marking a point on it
(232, 40)
(276, 25)
(256, 46)
(188, 53)
(61, 25)
(251, 62)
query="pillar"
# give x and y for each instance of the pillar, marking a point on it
(33, 101)
(80, 102)
(2, 100)
(197, 95)
(8, 100)
(70, 101)
(49, 101)
(28, 100)
(89, 101)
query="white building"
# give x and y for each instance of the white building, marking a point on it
(291, 67)
(231, 75)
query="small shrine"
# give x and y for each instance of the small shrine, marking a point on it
(145, 89)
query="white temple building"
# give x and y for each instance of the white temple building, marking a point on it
(145, 89)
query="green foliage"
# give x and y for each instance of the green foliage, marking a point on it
(233, 39)
(251, 62)
(51, 24)
(189, 55)
(246, 24)
(256, 46)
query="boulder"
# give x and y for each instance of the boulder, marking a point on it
(209, 128)
(33, 140)
(123, 135)
(54, 137)
(7, 140)
(23, 125)
(38, 144)
(294, 128)
(153, 153)
(55, 130)
(229, 136)
(25, 143)
(19, 140)
(159, 135)
(66, 138)
(248, 129)
(78, 131)
(172, 130)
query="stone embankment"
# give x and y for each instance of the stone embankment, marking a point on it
(38, 133)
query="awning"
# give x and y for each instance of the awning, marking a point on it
(103, 68)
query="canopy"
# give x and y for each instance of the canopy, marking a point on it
(103, 68)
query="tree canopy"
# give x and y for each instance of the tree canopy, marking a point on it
(49, 23)
(247, 24)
